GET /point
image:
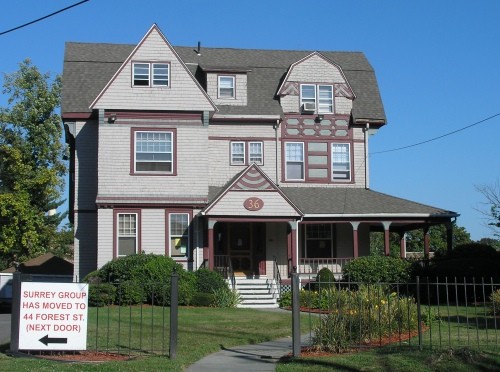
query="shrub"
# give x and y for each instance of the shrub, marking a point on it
(151, 275)
(364, 315)
(207, 281)
(377, 269)
(226, 298)
(101, 294)
(203, 299)
(324, 279)
(495, 302)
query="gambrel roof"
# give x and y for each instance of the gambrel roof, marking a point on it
(89, 66)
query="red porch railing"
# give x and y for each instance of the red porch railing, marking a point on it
(314, 265)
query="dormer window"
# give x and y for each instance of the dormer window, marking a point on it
(151, 74)
(318, 97)
(226, 87)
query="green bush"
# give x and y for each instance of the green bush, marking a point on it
(151, 275)
(101, 294)
(225, 297)
(363, 315)
(324, 279)
(203, 299)
(495, 302)
(377, 269)
(207, 281)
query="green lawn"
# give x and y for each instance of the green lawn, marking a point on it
(202, 331)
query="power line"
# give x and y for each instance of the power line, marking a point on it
(438, 137)
(42, 18)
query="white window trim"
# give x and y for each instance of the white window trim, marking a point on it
(171, 236)
(261, 162)
(172, 152)
(118, 236)
(316, 97)
(303, 162)
(232, 152)
(233, 96)
(151, 67)
(350, 162)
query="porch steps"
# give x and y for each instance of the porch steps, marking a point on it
(257, 292)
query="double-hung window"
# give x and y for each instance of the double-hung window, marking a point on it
(179, 235)
(126, 234)
(341, 162)
(318, 241)
(151, 74)
(237, 153)
(294, 155)
(320, 96)
(154, 152)
(243, 153)
(226, 87)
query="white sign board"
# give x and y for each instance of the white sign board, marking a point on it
(53, 316)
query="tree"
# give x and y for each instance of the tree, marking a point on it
(491, 206)
(32, 166)
(415, 240)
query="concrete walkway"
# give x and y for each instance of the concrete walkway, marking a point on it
(259, 357)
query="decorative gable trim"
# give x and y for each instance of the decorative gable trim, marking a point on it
(128, 60)
(285, 87)
(251, 179)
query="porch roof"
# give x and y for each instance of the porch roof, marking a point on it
(358, 202)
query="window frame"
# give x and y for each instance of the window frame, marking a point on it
(170, 236)
(151, 74)
(317, 99)
(116, 230)
(243, 161)
(348, 164)
(233, 86)
(246, 153)
(172, 152)
(287, 161)
(331, 238)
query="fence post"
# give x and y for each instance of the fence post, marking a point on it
(16, 311)
(419, 315)
(174, 305)
(295, 313)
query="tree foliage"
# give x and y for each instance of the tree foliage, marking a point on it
(491, 206)
(32, 163)
(415, 240)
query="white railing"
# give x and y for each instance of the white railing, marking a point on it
(314, 265)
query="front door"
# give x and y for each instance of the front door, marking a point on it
(244, 243)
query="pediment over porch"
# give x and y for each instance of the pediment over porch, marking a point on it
(251, 193)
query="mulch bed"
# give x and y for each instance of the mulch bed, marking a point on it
(78, 356)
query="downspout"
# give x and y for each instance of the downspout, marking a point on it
(367, 164)
(276, 127)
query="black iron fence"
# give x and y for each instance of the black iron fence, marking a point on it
(426, 313)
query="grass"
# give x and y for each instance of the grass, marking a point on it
(458, 338)
(202, 331)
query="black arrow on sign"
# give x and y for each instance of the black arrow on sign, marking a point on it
(52, 340)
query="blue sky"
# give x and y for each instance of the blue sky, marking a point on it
(437, 64)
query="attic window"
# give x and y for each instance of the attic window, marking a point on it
(151, 74)
(226, 86)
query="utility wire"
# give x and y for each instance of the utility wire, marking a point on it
(438, 137)
(42, 18)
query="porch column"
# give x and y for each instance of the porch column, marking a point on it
(402, 245)
(449, 237)
(210, 254)
(426, 242)
(292, 243)
(355, 239)
(387, 242)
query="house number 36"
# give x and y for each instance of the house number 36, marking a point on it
(253, 204)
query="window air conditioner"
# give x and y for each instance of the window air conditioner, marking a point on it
(309, 106)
